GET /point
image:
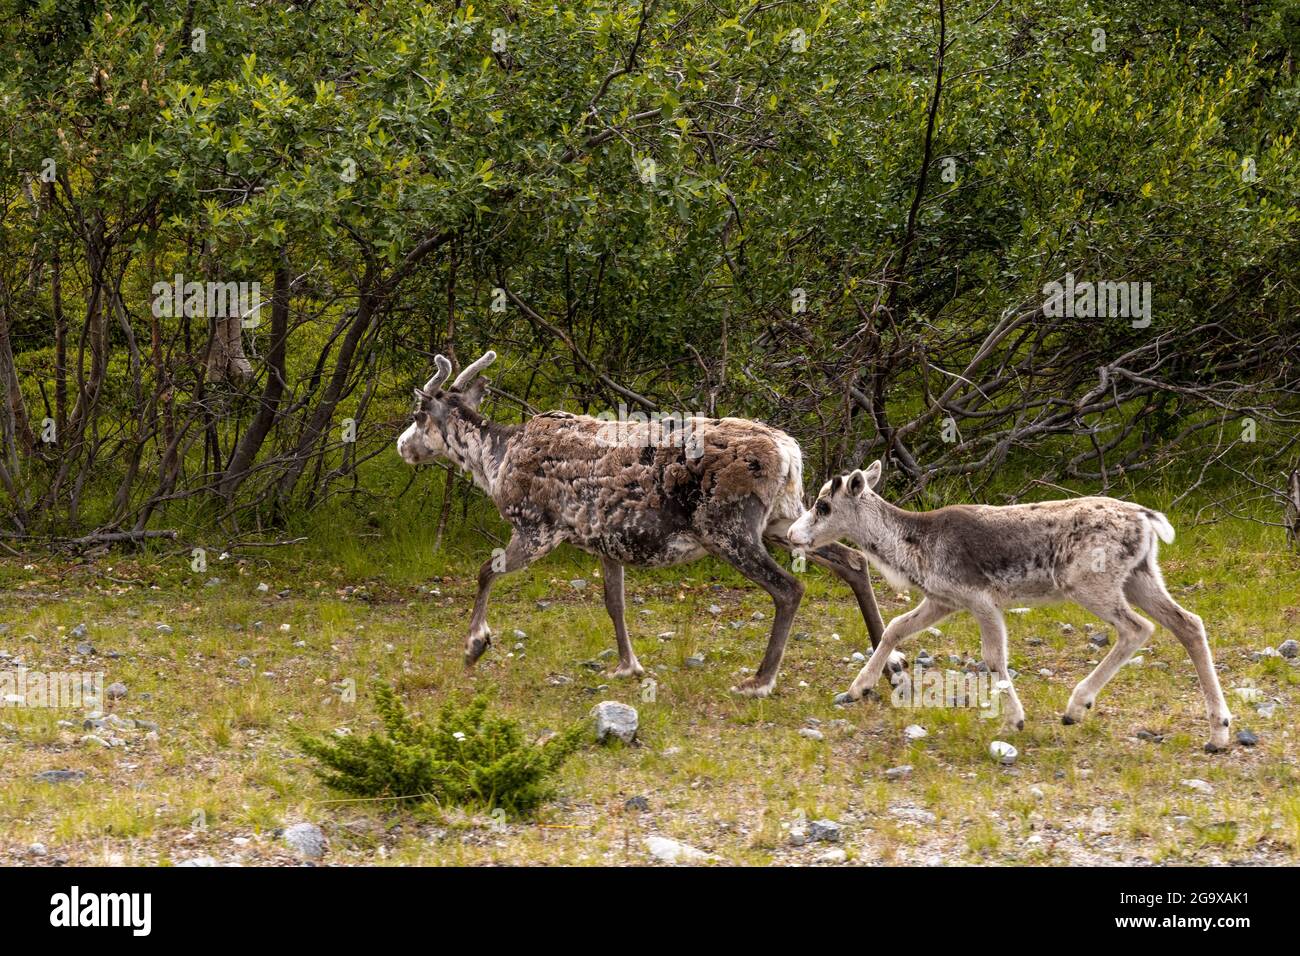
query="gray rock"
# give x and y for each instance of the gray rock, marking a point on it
(578, 584)
(615, 719)
(1150, 736)
(824, 831)
(1200, 786)
(1246, 738)
(1267, 709)
(715, 609)
(61, 776)
(670, 851)
(37, 849)
(899, 773)
(695, 661)
(164, 629)
(1099, 638)
(637, 803)
(1003, 752)
(244, 662)
(1289, 648)
(198, 861)
(812, 733)
(79, 632)
(910, 814)
(915, 732)
(305, 839)
(832, 856)
(115, 691)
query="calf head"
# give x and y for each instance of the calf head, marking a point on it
(839, 509)
(437, 408)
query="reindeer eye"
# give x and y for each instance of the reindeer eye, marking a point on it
(823, 508)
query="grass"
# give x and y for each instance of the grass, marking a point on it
(729, 776)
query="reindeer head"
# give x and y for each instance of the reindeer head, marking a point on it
(435, 407)
(840, 509)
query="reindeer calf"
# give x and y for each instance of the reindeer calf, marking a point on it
(1097, 552)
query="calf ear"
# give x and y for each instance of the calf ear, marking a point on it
(856, 483)
(873, 473)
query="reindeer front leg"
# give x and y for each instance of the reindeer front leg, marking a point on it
(521, 551)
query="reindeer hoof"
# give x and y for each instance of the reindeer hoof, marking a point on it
(1067, 720)
(897, 662)
(752, 687)
(1213, 748)
(475, 647)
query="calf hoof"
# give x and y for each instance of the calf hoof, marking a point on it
(753, 687)
(1020, 725)
(1068, 720)
(848, 698)
(628, 670)
(1213, 748)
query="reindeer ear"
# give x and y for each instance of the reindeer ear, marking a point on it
(873, 473)
(857, 483)
(474, 392)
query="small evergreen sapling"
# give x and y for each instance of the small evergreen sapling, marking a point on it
(467, 758)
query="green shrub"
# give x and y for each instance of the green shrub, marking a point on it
(467, 758)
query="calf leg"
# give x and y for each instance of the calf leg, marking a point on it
(521, 551)
(1131, 631)
(925, 614)
(993, 644)
(851, 567)
(628, 665)
(1146, 589)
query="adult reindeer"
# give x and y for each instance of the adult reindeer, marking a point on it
(649, 494)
